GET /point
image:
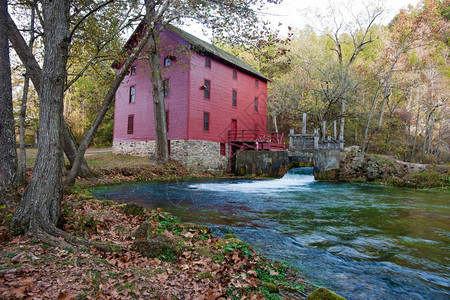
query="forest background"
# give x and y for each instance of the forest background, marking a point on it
(396, 88)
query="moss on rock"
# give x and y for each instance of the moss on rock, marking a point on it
(145, 230)
(271, 287)
(133, 209)
(157, 245)
(324, 294)
(223, 242)
(196, 227)
(229, 236)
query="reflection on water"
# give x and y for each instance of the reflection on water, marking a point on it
(361, 241)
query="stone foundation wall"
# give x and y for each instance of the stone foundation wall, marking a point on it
(195, 156)
(199, 156)
(137, 148)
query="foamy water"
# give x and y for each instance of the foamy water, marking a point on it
(291, 181)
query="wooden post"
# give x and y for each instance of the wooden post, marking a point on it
(304, 124)
(291, 139)
(334, 128)
(316, 138)
(230, 154)
(341, 137)
(324, 127)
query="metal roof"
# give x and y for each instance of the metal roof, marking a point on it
(203, 47)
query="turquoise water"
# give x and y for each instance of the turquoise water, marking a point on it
(362, 241)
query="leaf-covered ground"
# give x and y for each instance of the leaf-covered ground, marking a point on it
(207, 268)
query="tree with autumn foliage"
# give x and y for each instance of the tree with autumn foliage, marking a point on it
(396, 88)
(39, 209)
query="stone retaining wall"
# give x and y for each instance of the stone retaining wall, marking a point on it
(136, 148)
(195, 156)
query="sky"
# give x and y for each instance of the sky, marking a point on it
(292, 13)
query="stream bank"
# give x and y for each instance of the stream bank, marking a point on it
(386, 170)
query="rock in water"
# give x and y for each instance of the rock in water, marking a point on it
(324, 294)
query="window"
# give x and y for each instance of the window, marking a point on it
(223, 149)
(133, 70)
(206, 121)
(130, 124)
(256, 104)
(166, 87)
(207, 62)
(234, 102)
(234, 74)
(132, 94)
(207, 90)
(167, 61)
(256, 82)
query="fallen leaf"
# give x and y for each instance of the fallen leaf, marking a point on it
(272, 272)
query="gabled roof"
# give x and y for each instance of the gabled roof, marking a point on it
(203, 47)
(199, 46)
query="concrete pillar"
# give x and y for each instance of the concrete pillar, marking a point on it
(316, 138)
(304, 124)
(334, 129)
(324, 127)
(291, 139)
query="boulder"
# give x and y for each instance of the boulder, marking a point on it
(196, 227)
(151, 244)
(223, 242)
(373, 170)
(271, 287)
(133, 209)
(145, 230)
(324, 294)
(156, 245)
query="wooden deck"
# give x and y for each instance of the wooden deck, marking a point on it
(256, 140)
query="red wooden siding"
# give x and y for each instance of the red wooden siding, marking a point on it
(176, 102)
(188, 75)
(220, 103)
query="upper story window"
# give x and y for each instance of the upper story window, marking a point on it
(206, 121)
(256, 82)
(166, 87)
(256, 104)
(132, 94)
(207, 89)
(167, 61)
(133, 70)
(130, 124)
(207, 62)
(234, 74)
(234, 100)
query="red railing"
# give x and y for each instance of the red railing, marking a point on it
(256, 140)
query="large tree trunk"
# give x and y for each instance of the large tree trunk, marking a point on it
(35, 73)
(8, 154)
(159, 111)
(40, 205)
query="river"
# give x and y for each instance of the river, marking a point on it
(362, 241)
